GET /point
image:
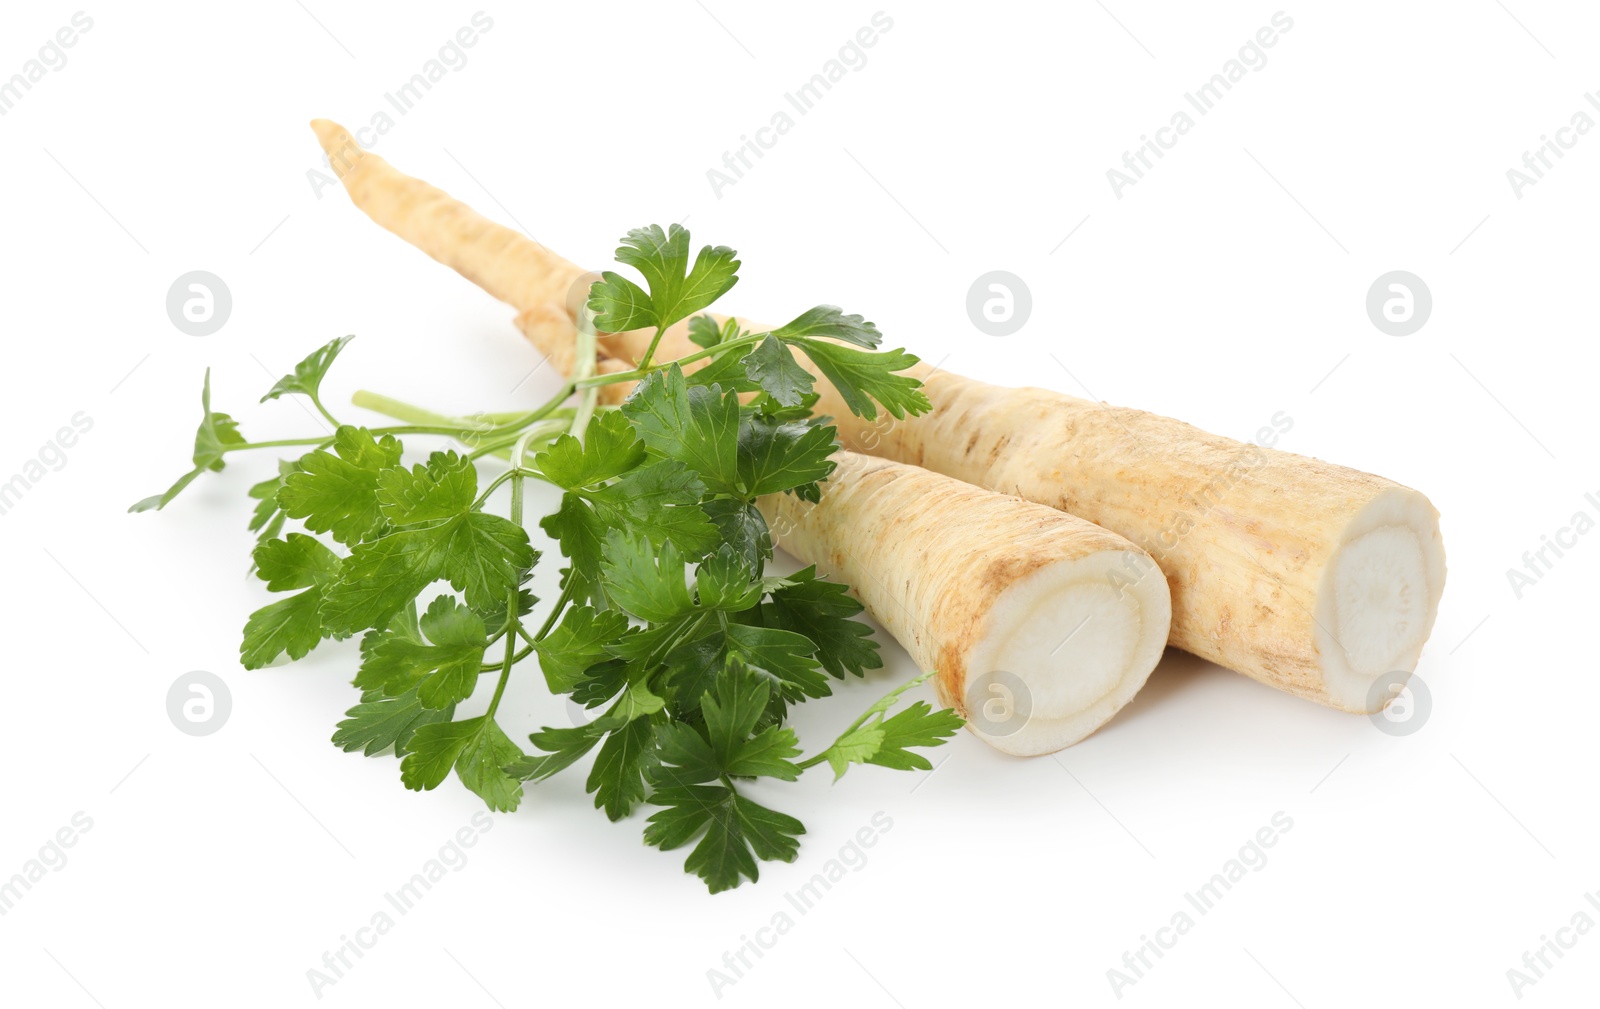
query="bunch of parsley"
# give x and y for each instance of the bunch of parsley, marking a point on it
(666, 618)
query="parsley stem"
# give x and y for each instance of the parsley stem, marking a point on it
(650, 351)
(281, 443)
(316, 401)
(585, 363)
(644, 370)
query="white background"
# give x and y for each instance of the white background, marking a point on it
(219, 869)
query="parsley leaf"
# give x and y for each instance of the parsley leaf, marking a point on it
(736, 832)
(863, 376)
(291, 625)
(830, 320)
(696, 425)
(563, 748)
(217, 432)
(609, 449)
(337, 492)
(306, 379)
(823, 611)
(617, 778)
(650, 586)
(676, 289)
(378, 723)
(874, 739)
(577, 643)
(442, 666)
(777, 455)
(772, 367)
(478, 750)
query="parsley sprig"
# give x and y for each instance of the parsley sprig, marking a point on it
(667, 624)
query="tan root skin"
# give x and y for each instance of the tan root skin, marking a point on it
(970, 581)
(1249, 539)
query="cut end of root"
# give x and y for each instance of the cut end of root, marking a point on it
(1067, 647)
(1378, 599)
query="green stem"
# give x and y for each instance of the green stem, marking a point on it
(650, 351)
(584, 366)
(317, 402)
(643, 372)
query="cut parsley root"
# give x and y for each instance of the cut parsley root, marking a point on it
(666, 624)
(1007, 599)
(1317, 579)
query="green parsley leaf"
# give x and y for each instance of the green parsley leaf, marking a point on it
(676, 290)
(291, 625)
(443, 488)
(617, 778)
(660, 500)
(725, 581)
(696, 425)
(337, 492)
(737, 832)
(830, 320)
(379, 723)
(779, 455)
(874, 739)
(704, 331)
(581, 536)
(477, 749)
(609, 449)
(577, 643)
(823, 611)
(772, 366)
(863, 376)
(442, 669)
(216, 433)
(563, 748)
(482, 556)
(739, 524)
(307, 376)
(650, 586)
